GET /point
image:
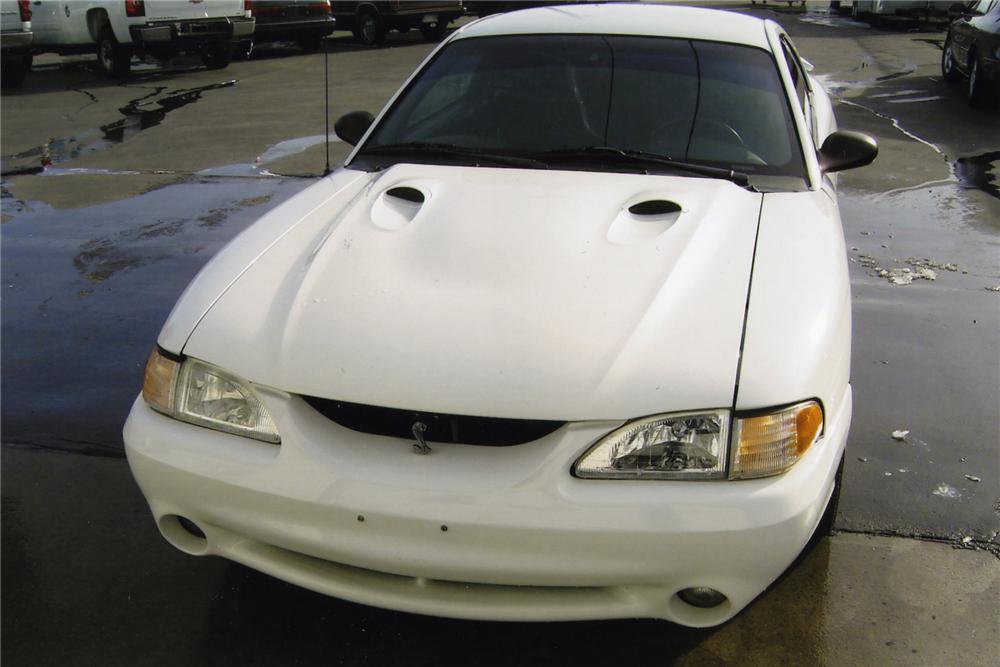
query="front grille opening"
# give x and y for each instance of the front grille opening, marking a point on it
(458, 429)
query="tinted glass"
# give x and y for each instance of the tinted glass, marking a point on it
(717, 104)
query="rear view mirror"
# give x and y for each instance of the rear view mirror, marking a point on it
(846, 149)
(352, 126)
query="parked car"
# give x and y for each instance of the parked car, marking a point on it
(487, 7)
(304, 21)
(915, 8)
(972, 51)
(370, 21)
(544, 348)
(117, 29)
(16, 38)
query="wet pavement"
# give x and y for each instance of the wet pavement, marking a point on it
(96, 585)
(113, 196)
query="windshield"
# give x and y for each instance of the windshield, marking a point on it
(546, 96)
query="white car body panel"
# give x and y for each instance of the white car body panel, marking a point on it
(527, 294)
(556, 304)
(524, 540)
(230, 262)
(798, 330)
(10, 17)
(679, 22)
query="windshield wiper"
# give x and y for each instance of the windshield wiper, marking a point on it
(593, 152)
(451, 150)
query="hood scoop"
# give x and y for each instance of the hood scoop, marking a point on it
(397, 207)
(644, 220)
(654, 207)
(517, 294)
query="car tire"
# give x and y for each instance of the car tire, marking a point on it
(311, 44)
(113, 59)
(217, 56)
(948, 69)
(433, 32)
(825, 525)
(244, 50)
(370, 29)
(977, 90)
(14, 68)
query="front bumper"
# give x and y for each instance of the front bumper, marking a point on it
(208, 30)
(503, 533)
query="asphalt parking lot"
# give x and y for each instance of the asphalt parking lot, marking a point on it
(115, 194)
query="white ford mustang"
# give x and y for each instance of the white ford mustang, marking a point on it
(567, 337)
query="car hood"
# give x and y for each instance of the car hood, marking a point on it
(506, 292)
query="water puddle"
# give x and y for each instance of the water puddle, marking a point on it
(908, 68)
(271, 154)
(895, 124)
(837, 88)
(284, 149)
(107, 255)
(832, 21)
(139, 114)
(86, 171)
(897, 93)
(910, 100)
(979, 172)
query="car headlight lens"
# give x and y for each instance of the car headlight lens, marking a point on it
(680, 446)
(694, 445)
(202, 394)
(770, 443)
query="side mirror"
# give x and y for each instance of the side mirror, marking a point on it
(352, 126)
(846, 149)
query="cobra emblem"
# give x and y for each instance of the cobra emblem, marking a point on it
(420, 446)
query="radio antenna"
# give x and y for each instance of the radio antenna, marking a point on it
(326, 96)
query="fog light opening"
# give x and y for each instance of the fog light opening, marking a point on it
(191, 527)
(183, 534)
(702, 597)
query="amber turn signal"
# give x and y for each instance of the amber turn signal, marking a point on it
(158, 380)
(771, 443)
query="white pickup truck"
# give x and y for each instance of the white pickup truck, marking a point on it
(160, 28)
(15, 41)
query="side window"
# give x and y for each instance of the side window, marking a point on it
(982, 7)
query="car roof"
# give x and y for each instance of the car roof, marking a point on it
(625, 19)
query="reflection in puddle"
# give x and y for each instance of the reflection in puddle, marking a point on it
(979, 172)
(139, 114)
(104, 256)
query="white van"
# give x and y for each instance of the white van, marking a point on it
(117, 29)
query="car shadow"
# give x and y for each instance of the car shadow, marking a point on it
(258, 620)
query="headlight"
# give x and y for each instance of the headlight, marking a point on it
(680, 446)
(199, 393)
(694, 445)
